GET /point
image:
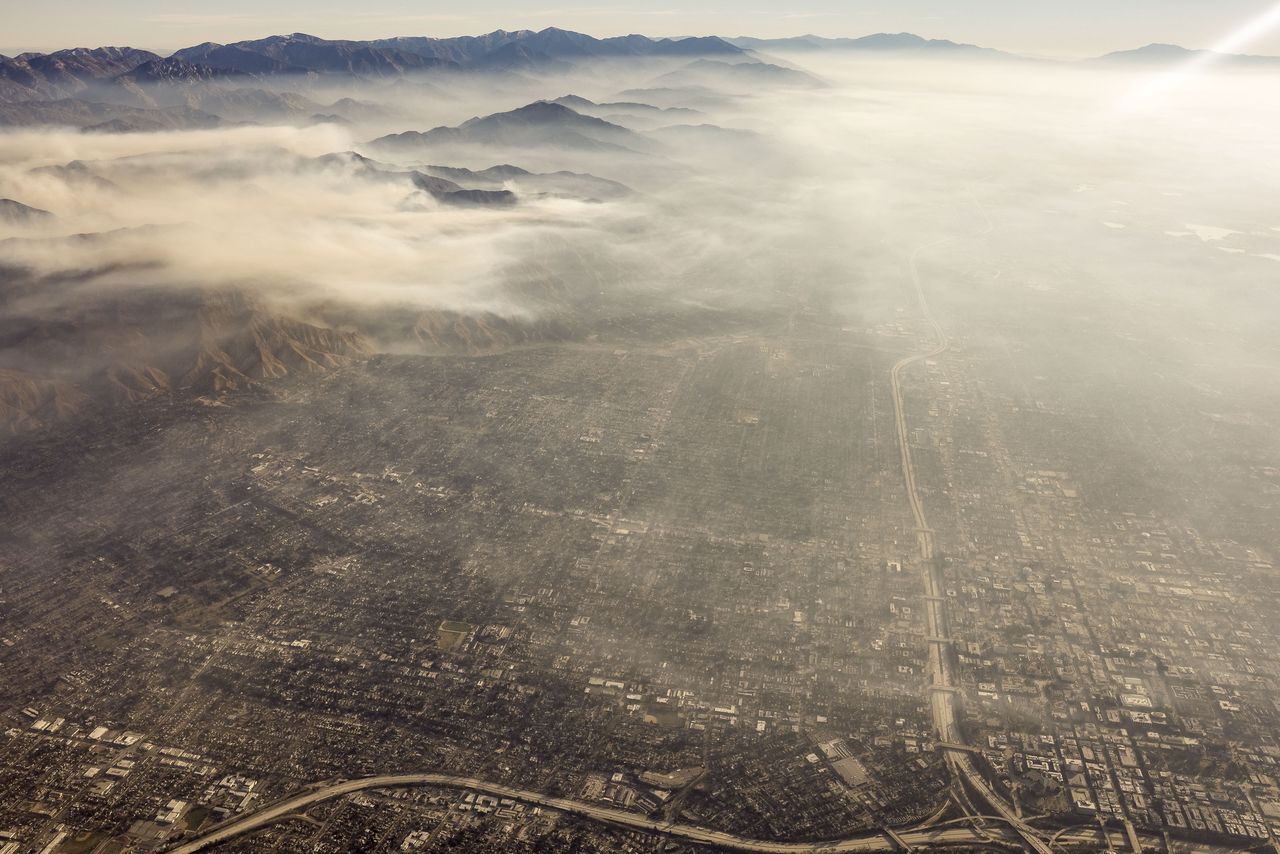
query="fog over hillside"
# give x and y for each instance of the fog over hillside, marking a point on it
(727, 209)
(688, 429)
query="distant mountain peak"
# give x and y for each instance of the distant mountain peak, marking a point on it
(15, 212)
(1153, 50)
(542, 111)
(540, 124)
(1158, 52)
(885, 42)
(895, 39)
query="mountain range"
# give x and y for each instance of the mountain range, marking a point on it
(74, 72)
(131, 77)
(910, 44)
(881, 42)
(128, 347)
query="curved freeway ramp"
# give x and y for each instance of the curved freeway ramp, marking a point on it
(280, 810)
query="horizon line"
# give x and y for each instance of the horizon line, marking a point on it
(14, 51)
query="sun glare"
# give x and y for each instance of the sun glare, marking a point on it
(1154, 89)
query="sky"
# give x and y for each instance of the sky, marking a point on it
(1035, 27)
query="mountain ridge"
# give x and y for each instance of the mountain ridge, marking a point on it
(1158, 53)
(886, 42)
(117, 73)
(537, 124)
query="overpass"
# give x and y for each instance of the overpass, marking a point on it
(929, 836)
(287, 808)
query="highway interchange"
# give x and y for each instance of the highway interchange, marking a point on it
(944, 834)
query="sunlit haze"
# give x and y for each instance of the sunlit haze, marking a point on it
(846, 427)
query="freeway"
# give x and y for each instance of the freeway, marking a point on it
(942, 703)
(922, 837)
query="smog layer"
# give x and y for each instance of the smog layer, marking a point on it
(781, 439)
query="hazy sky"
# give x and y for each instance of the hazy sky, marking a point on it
(1044, 27)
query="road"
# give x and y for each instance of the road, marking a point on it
(942, 704)
(921, 838)
(271, 813)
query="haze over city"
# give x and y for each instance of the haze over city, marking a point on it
(853, 427)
